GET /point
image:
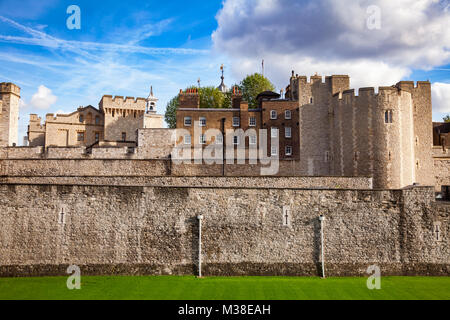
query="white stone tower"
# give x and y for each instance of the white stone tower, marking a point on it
(9, 114)
(151, 119)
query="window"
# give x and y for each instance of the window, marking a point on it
(273, 115)
(252, 122)
(187, 139)
(288, 132)
(80, 136)
(97, 136)
(202, 122)
(187, 122)
(81, 118)
(274, 151)
(124, 114)
(288, 115)
(97, 120)
(219, 139)
(288, 150)
(311, 100)
(135, 114)
(236, 122)
(327, 156)
(236, 140)
(124, 136)
(202, 139)
(253, 140)
(388, 116)
(113, 113)
(274, 132)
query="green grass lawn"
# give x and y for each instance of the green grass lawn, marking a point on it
(220, 288)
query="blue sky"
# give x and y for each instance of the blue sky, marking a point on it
(123, 47)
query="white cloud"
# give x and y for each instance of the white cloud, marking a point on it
(43, 98)
(327, 37)
(441, 97)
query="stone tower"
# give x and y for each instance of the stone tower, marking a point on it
(9, 114)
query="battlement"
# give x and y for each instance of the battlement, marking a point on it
(34, 118)
(409, 85)
(366, 91)
(8, 87)
(318, 78)
(121, 102)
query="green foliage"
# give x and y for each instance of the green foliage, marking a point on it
(252, 85)
(211, 97)
(171, 112)
(447, 118)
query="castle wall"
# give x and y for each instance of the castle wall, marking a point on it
(155, 143)
(423, 129)
(122, 116)
(153, 230)
(187, 181)
(65, 130)
(365, 144)
(36, 131)
(9, 116)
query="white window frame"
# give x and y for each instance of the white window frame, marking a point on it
(253, 140)
(187, 139)
(286, 151)
(288, 114)
(236, 140)
(274, 132)
(236, 122)
(286, 130)
(202, 139)
(252, 123)
(273, 115)
(190, 121)
(273, 151)
(202, 122)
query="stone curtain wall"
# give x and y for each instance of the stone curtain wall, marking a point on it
(228, 182)
(153, 230)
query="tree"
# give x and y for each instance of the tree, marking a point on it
(211, 97)
(252, 85)
(171, 112)
(447, 118)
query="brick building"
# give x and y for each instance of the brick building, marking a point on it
(278, 117)
(441, 134)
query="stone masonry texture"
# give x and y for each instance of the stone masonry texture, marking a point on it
(153, 230)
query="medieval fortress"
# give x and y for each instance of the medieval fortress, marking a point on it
(101, 188)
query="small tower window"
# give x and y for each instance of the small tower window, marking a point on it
(97, 120)
(124, 136)
(81, 118)
(388, 118)
(311, 100)
(327, 156)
